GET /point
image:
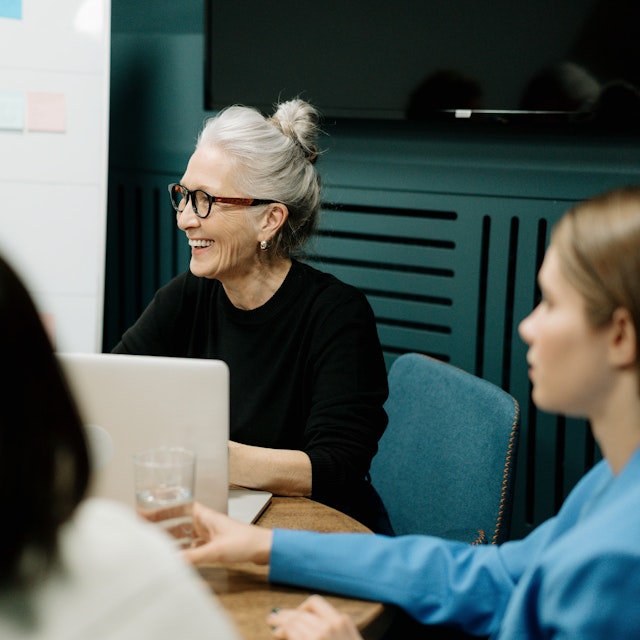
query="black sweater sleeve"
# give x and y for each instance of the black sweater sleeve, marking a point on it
(347, 416)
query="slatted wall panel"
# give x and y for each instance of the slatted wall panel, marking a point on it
(401, 259)
(145, 249)
(446, 275)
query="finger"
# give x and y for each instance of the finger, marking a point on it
(335, 623)
(279, 632)
(314, 606)
(294, 624)
(200, 555)
(273, 617)
(203, 518)
(319, 605)
(198, 510)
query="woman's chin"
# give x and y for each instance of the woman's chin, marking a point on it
(540, 400)
(200, 270)
(546, 402)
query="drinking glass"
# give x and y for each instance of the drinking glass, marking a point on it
(164, 488)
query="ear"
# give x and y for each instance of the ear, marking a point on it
(273, 220)
(623, 348)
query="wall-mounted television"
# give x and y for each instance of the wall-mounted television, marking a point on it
(424, 58)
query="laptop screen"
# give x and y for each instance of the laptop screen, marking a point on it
(131, 403)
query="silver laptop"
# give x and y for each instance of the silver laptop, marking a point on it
(131, 403)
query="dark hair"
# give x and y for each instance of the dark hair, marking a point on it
(44, 461)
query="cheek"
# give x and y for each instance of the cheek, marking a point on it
(238, 244)
(235, 247)
(236, 231)
(551, 354)
(569, 376)
(227, 253)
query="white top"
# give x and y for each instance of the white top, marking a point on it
(118, 578)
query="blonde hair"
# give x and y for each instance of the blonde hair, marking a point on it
(598, 245)
(273, 159)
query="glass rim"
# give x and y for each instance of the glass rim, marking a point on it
(146, 456)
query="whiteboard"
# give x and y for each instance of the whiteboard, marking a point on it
(54, 123)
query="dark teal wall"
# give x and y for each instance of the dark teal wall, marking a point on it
(504, 187)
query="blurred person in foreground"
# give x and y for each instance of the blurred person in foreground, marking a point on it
(73, 566)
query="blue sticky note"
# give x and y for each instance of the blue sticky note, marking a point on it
(11, 9)
(12, 109)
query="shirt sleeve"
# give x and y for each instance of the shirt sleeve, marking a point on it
(433, 580)
(475, 588)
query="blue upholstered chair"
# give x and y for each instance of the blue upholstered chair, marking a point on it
(446, 462)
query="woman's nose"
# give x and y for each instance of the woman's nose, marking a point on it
(187, 219)
(525, 327)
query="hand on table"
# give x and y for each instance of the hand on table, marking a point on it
(222, 539)
(314, 619)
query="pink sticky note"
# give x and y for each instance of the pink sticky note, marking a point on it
(46, 112)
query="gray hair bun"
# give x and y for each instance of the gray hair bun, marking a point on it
(299, 121)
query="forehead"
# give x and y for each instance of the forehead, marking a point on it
(209, 169)
(550, 272)
(552, 280)
(547, 267)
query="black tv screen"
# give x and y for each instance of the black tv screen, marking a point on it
(423, 58)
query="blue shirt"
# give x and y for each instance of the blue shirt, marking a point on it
(575, 576)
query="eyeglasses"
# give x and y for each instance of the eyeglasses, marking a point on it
(201, 201)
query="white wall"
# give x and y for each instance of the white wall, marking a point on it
(53, 165)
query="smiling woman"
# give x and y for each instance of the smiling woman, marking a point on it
(308, 380)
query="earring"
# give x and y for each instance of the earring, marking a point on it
(264, 245)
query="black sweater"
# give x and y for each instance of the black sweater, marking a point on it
(306, 369)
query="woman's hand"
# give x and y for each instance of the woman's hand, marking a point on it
(222, 539)
(314, 619)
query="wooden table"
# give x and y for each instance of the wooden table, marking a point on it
(248, 596)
